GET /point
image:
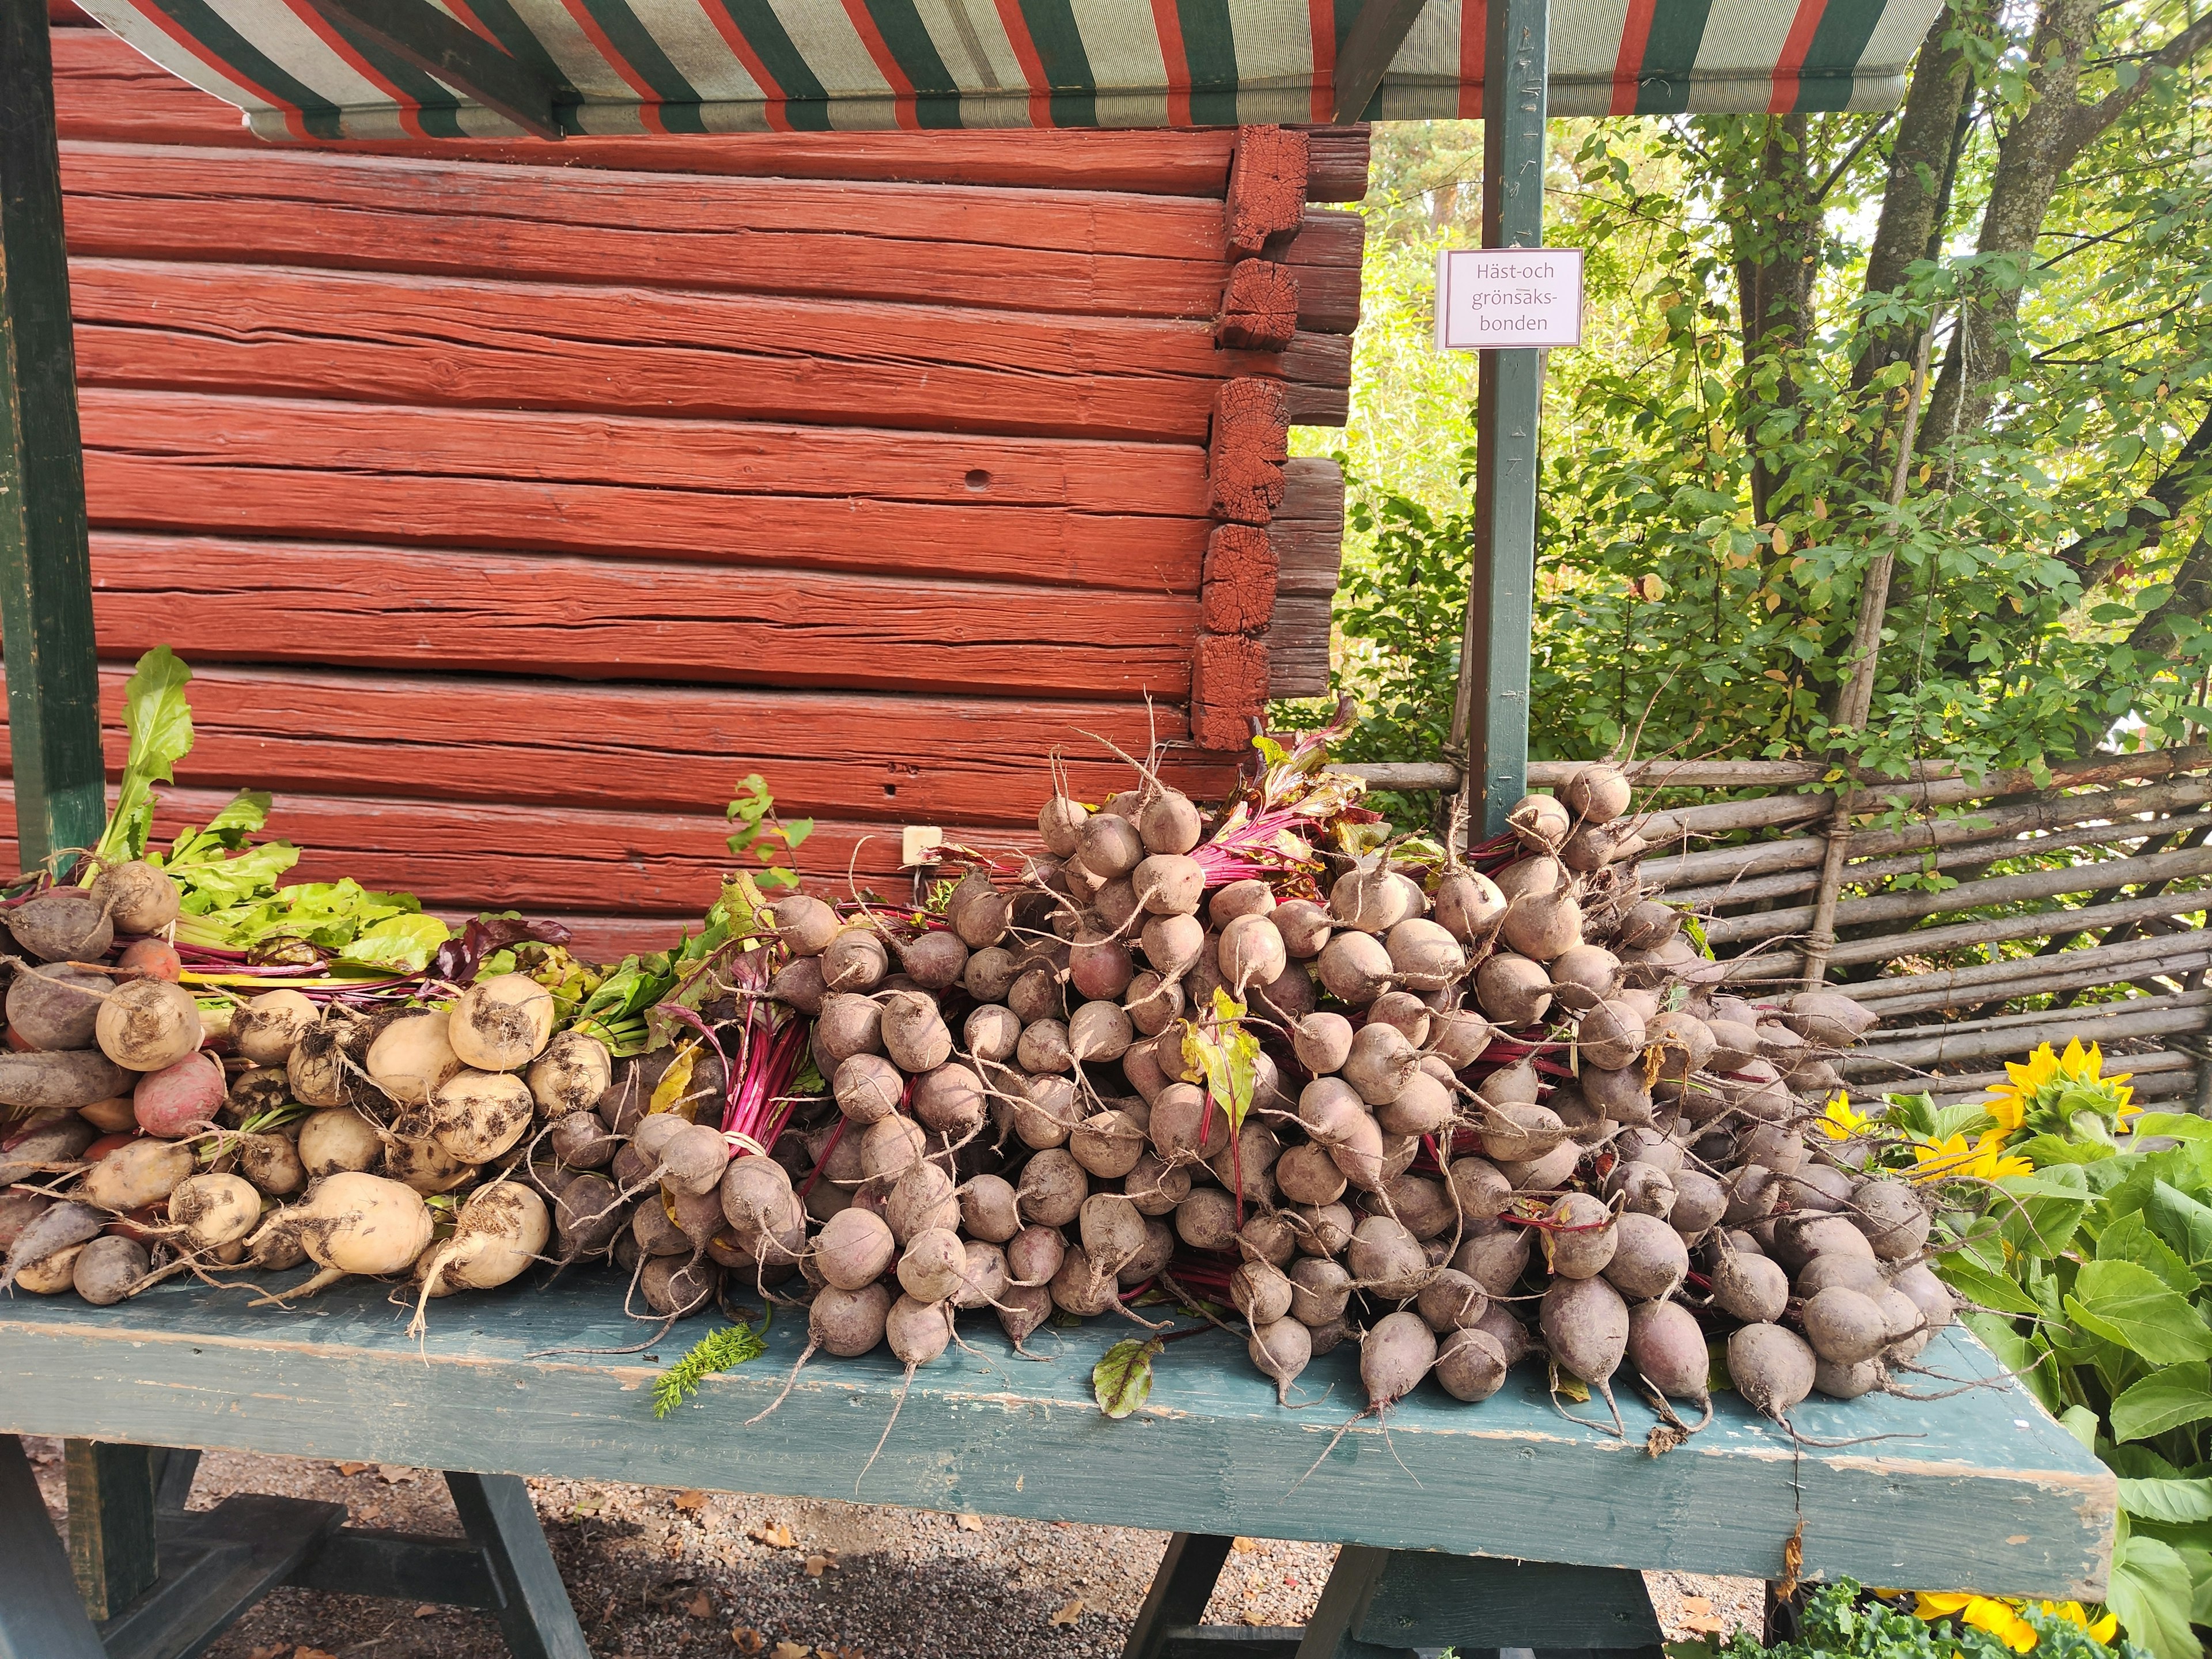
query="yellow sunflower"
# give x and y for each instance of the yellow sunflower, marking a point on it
(1958, 1158)
(2032, 1082)
(2104, 1630)
(1984, 1612)
(1840, 1122)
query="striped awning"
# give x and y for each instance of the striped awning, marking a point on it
(677, 66)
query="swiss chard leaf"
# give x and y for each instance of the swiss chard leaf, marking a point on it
(159, 721)
(403, 944)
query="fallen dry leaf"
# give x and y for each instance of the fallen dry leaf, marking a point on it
(1706, 1627)
(267, 1653)
(349, 1470)
(970, 1522)
(1696, 1604)
(1070, 1614)
(426, 1611)
(1253, 1616)
(1244, 1546)
(303, 1651)
(816, 1564)
(774, 1533)
(791, 1650)
(700, 1606)
(691, 1501)
(672, 1546)
(395, 1474)
(748, 1640)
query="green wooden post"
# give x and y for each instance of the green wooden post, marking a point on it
(111, 1523)
(1490, 718)
(46, 570)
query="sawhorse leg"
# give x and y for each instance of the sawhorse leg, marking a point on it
(533, 1610)
(1397, 1604)
(41, 1616)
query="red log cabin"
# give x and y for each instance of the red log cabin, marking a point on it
(512, 501)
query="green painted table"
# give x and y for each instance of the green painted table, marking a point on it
(1977, 1491)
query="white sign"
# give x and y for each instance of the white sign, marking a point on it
(1488, 297)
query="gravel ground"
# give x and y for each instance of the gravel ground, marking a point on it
(656, 1574)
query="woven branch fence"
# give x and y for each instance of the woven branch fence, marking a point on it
(1977, 916)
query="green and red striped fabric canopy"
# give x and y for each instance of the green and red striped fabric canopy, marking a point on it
(677, 66)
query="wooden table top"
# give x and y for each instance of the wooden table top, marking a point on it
(1980, 1490)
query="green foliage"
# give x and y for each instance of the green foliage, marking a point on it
(1714, 488)
(1227, 1055)
(717, 1351)
(765, 838)
(159, 721)
(1841, 1622)
(2093, 1281)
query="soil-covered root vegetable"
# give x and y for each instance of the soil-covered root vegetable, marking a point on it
(1585, 1326)
(933, 1266)
(136, 1174)
(798, 983)
(1583, 1236)
(1844, 1326)
(1772, 1368)
(33, 1259)
(56, 1007)
(502, 1023)
(1354, 968)
(1281, 1349)
(1540, 822)
(212, 1210)
(1322, 1042)
(138, 898)
(108, 1269)
(60, 1139)
(1828, 1018)
(1596, 794)
(922, 1199)
(1169, 822)
(1424, 955)
(1386, 1258)
(478, 1116)
(570, 1075)
(1542, 927)
(271, 1026)
(353, 1223)
(179, 1097)
(147, 1024)
(805, 925)
(1471, 1366)
(753, 1191)
(1397, 1351)
(853, 1250)
(411, 1056)
(1847, 1381)
(1667, 1350)
(1892, 1216)
(1305, 925)
(499, 1230)
(1452, 1301)
(63, 924)
(1511, 989)
(1752, 1288)
(1251, 952)
(1369, 898)
(1468, 905)
(675, 1287)
(1649, 1258)
(856, 960)
(419, 1161)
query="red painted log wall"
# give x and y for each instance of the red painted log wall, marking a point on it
(513, 500)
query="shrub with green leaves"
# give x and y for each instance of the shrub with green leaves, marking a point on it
(1841, 1620)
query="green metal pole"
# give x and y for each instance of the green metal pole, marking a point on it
(46, 570)
(1489, 718)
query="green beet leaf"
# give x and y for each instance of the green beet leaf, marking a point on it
(1122, 1381)
(403, 943)
(160, 721)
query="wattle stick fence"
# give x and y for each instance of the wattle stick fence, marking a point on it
(1977, 916)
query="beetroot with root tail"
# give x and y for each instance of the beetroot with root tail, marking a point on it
(1585, 1325)
(1470, 1365)
(1667, 1349)
(1771, 1368)
(1281, 1349)
(1394, 1355)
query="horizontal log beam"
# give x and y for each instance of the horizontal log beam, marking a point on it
(2130, 954)
(2104, 875)
(2091, 918)
(2055, 1028)
(2179, 958)
(547, 346)
(2161, 1062)
(1094, 253)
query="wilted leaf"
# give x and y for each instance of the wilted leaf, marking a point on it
(349, 1470)
(818, 1565)
(700, 1606)
(1070, 1614)
(791, 1650)
(1122, 1379)
(1244, 1546)
(774, 1533)
(749, 1641)
(691, 1501)
(970, 1522)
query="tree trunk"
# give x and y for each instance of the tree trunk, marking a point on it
(1923, 158)
(1776, 234)
(2191, 597)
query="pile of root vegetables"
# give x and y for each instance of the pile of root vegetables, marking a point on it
(1459, 1112)
(1269, 1065)
(167, 1135)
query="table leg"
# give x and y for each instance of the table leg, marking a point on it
(111, 1523)
(1395, 1603)
(41, 1616)
(172, 1481)
(1180, 1591)
(534, 1614)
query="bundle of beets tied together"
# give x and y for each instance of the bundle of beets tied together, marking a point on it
(1448, 1103)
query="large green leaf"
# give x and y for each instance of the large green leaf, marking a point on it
(2025, 1358)
(2131, 1239)
(2175, 1501)
(159, 721)
(405, 943)
(2165, 1399)
(1982, 1288)
(2182, 1221)
(2151, 1593)
(2132, 1307)
(2044, 1209)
